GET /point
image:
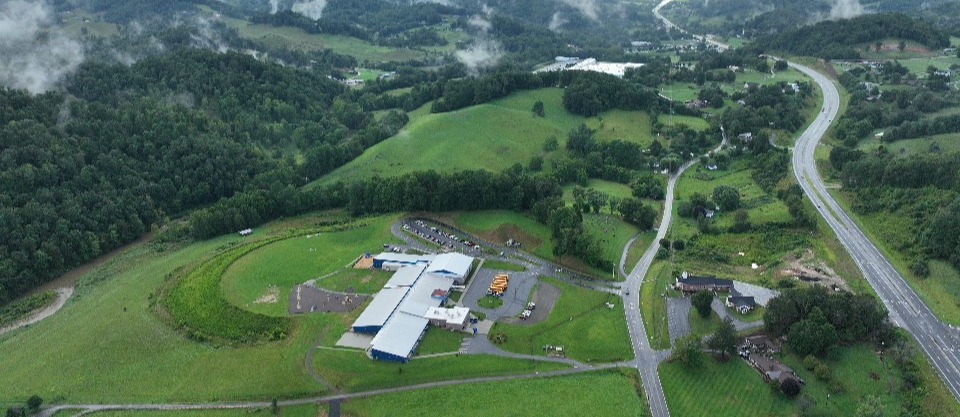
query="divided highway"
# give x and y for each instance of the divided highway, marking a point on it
(941, 343)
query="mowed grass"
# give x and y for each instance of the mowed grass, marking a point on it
(106, 345)
(293, 261)
(361, 281)
(354, 371)
(653, 306)
(439, 340)
(605, 393)
(610, 188)
(714, 389)
(580, 322)
(502, 266)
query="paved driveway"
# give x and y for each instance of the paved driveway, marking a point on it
(760, 294)
(514, 299)
(678, 317)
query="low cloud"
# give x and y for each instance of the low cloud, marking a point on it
(480, 23)
(483, 53)
(845, 9)
(312, 9)
(274, 6)
(36, 55)
(557, 21)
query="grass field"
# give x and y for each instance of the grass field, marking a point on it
(438, 340)
(613, 235)
(703, 326)
(638, 248)
(716, 389)
(354, 371)
(578, 322)
(628, 126)
(285, 264)
(498, 226)
(902, 148)
(491, 136)
(298, 39)
(605, 393)
(490, 302)
(502, 266)
(612, 189)
(361, 281)
(653, 306)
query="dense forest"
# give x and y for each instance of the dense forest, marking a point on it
(124, 147)
(840, 39)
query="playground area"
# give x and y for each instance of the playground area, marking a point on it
(307, 298)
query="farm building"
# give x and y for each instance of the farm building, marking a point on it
(410, 300)
(389, 261)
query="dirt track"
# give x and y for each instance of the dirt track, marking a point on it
(63, 294)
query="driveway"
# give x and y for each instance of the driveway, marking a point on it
(760, 294)
(678, 317)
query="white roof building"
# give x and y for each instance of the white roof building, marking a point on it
(399, 337)
(405, 276)
(447, 315)
(380, 309)
(451, 265)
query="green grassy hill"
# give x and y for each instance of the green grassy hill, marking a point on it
(491, 136)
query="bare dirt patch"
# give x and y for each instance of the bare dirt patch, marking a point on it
(272, 296)
(365, 262)
(808, 269)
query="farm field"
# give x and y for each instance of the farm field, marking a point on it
(298, 39)
(280, 266)
(605, 393)
(462, 139)
(578, 320)
(946, 143)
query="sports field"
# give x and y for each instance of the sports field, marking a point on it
(278, 267)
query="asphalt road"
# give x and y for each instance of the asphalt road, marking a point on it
(941, 343)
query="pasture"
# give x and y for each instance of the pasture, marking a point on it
(605, 393)
(465, 139)
(578, 322)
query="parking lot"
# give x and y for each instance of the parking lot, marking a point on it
(514, 299)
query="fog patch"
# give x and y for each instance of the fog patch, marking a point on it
(557, 21)
(483, 53)
(311, 9)
(34, 54)
(845, 9)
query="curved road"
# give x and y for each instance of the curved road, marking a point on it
(940, 342)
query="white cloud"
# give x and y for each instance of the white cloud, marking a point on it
(35, 54)
(587, 7)
(312, 9)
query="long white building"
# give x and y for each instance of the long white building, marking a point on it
(400, 312)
